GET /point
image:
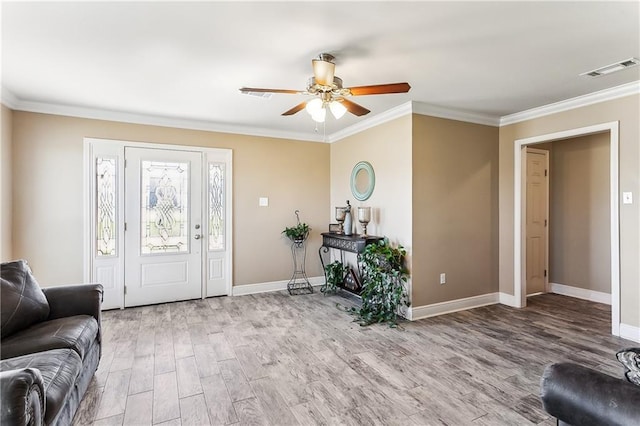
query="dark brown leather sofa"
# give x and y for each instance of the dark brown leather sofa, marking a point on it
(50, 347)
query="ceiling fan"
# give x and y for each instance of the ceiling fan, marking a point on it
(329, 92)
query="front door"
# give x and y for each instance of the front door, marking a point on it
(163, 226)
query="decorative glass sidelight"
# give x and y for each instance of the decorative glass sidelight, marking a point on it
(164, 219)
(216, 206)
(106, 234)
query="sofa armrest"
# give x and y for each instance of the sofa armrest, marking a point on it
(70, 300)
(78, 299)
(23, 397)
(578, 395)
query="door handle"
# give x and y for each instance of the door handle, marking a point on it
(197, 236)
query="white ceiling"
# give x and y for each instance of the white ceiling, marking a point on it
(186, 61)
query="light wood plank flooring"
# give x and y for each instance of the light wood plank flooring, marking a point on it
(275, 359)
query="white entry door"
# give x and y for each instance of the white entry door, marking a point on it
(163, 226)
(159, 229)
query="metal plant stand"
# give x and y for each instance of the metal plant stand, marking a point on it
(299, 283)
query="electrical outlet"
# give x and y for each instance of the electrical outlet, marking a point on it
(443, 278)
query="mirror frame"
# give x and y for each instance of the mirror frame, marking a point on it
(362, 196)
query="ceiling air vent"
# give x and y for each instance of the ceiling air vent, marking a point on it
(264, 95)
(618, 66)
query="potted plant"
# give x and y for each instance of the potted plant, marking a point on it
(335, 273)
(384, 276)
(297, 233)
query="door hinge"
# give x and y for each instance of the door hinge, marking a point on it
(545, 171)
(545, 274)
(125, 226)
(125, 287)
(125, 165)
(545, 222)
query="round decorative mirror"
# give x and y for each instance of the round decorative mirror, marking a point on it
(363, 180)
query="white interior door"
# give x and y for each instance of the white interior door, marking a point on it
(537, 209)
(163, 226)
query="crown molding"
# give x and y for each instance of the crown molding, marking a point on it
(15, 103)
(455, 114)
(8, 99)
(413, 107)
(577, 102)
(367, 123)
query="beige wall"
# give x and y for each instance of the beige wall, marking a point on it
(388, 148)
(6, 252)
(47, 177)
(625, 110)
(579, 213)
(455, 209)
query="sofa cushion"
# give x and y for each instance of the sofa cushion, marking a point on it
(59, 369)
(22, 301)
(630, 358)
(77, 333)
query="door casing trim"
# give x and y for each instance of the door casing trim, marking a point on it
(519, 250)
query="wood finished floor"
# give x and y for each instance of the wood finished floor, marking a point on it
(273, 359)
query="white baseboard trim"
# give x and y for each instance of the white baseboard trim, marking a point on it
(507, 299)
(630, 332)
(242, 290)
(419, 312)
(580, 293)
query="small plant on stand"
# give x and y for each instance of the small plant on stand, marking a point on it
(335, 273)
(300, 232)
(384, 278)
(299, 283)
(297, 233)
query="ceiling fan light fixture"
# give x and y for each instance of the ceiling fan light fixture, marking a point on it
(314, 106)
(320, 115)
(323, 71)
(337, 109)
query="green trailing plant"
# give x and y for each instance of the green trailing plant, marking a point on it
(297, 233)
(335, 273)
(384, 278)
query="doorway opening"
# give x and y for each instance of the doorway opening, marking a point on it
(520, 250)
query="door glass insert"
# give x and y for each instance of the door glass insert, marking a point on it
(216, 206)
(106, 234)
(164, 219)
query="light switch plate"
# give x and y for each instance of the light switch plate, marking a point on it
(263, 202)
(627, 198)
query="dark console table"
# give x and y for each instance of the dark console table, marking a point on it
(345, 243)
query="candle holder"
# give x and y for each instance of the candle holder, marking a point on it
(341, 212)
(364, 217)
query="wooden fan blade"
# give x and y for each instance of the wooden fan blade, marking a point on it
(256, 90)
(354, 108)
(380, 89)
(295, 109)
